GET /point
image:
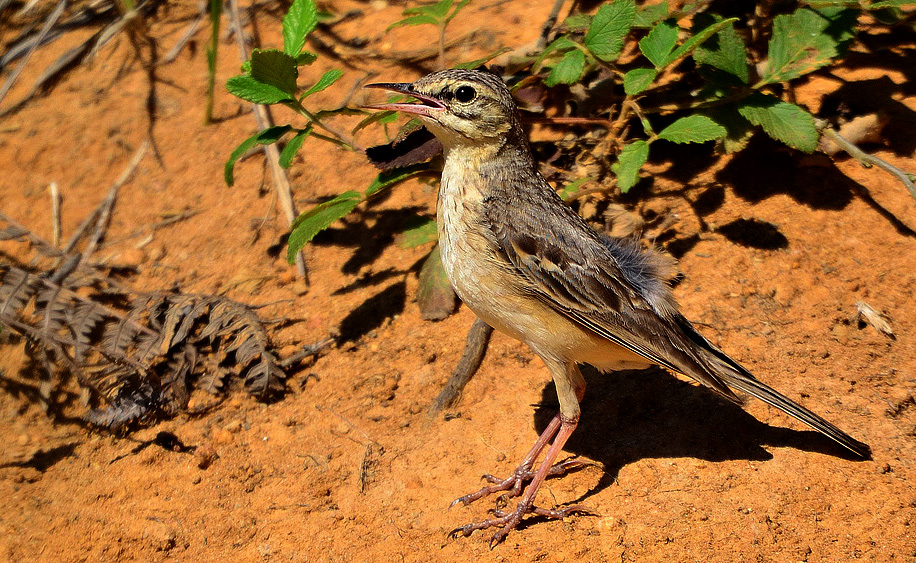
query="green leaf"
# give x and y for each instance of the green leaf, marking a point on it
(292, 147)
(781, 120)
(724, 51)
(568, 71)
(806, 40)
(692, 129)
(638, 79)
(250, 90)
(413, 20)
(418, 231)
(739, 130)
(275, 68)
(560, 45)
(330, 77)
(609, 28)
(435, 296)
(377, 117)
(577, 22)
(298, 22)
(319, 218)
(696, 40)
(631, 159)
(659, 43)
(889, 4)
(438, 10)
(266, 137)
(471, 65)
(305, 58)
(572, 188)
(391, 177)
(647, 16)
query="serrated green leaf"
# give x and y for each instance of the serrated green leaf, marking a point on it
(659, 43)
(696, 40)
(330, 77)
(806, 40)
(692, 129)
(292, 147)
(391, 177)
(609, 28)
(265, 137)
(250, 90)
(724, 51)
(438, 10)
(638, 79)
(561, 44)
(414, 20)
(739, 130)
(647, 16)
(418, 231)
(781, 120)
(298, 22)
(305, 58)
(577, 22)
(275, 68)
(630, 160)
(319, 218)
(568, 70)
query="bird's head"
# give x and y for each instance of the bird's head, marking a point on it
(460, 107)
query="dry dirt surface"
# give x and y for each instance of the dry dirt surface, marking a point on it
(775, 249)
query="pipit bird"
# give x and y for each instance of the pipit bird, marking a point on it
(529, 266)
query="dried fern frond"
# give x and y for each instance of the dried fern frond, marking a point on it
(141, 355)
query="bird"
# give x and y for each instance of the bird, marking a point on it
(529, 266)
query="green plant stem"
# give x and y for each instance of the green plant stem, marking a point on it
(339, 137)
(216, 9)
(865, 159)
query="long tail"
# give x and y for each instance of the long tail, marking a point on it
(736, 376)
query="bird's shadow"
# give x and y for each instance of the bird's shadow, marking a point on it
(641, 414)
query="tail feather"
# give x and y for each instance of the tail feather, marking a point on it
(734, 375)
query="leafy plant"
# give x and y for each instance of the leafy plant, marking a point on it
(270, 77)
(439, 14)
(734, 98)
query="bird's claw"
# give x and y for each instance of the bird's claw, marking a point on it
(514, 484)
(508, 521)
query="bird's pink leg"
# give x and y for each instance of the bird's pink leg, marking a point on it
(507, 521)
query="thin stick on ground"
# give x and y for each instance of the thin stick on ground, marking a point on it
(262, 117)
(103, 213)
(54, 192)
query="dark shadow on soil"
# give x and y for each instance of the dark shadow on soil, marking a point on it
(43, 460)
(368, 241)
(632, 415)
(754, 233)
(767, 168)
(372, 313)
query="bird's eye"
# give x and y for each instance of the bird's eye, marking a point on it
(465, 94)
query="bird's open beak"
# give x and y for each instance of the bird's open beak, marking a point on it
(425, 105)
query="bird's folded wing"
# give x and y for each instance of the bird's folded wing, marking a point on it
(580, 278)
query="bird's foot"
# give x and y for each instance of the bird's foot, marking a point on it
(514, 484)
(507, 521)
